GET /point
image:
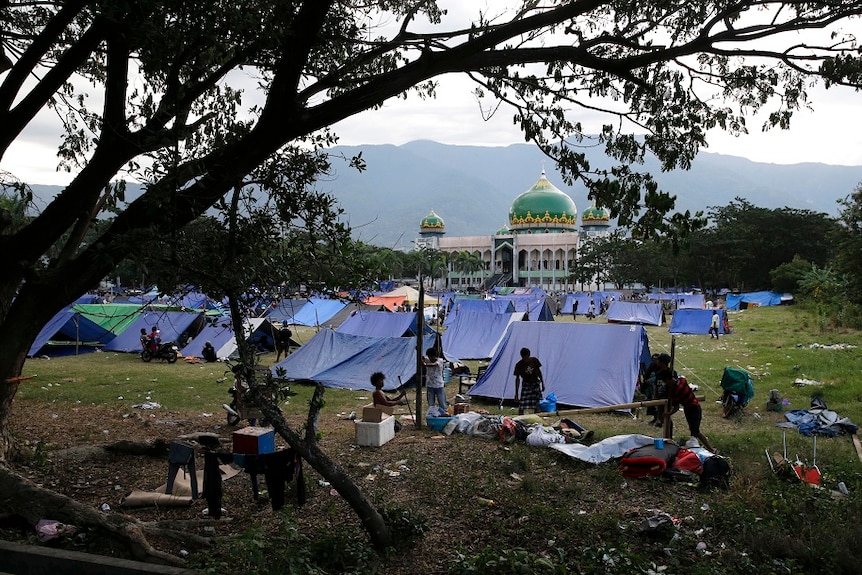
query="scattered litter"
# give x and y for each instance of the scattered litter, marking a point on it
(333, 492)
(833, 346)
(183, 553)
(147, 405)
(659, 525)
(704, 507)
(516, 477)
(799, 382)
(105, 507)
(207, 414)
(486, 502)
(48, 529)
(323, 483)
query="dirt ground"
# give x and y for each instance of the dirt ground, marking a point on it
(63, 463)
(441, 478)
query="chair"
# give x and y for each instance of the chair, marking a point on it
(738, 390)
(466, 381)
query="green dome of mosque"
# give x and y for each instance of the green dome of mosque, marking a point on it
(543, 209)
(432, 224)
(594, 216)
(504, 231)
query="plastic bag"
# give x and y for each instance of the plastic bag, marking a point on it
(435, 411)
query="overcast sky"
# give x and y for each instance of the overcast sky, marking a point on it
(831, 133)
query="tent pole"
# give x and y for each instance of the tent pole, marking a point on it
(420, 364)
(607, 408)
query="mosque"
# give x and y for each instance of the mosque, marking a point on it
(538, 247)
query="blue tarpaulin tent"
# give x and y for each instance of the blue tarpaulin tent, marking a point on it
(70, 326)
(584, 364)
(171, 324)
(477, 335)
(584, 298)
(316, 312)
(343, 360)
(632, 312)
(696, 321)
(536, 306)
(758, 298)
(382, 324)
(464, 305)
(219, 332)
(284, 310)
(351, 309)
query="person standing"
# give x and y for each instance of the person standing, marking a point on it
(649, 387)
(591, 311)
(436, 391)
(713, 328)
(575, 310)
(528, 381)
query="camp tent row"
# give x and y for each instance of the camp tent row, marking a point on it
(117, 327)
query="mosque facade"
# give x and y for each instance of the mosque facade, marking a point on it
(537, 248)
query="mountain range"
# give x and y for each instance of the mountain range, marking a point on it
(472, 187)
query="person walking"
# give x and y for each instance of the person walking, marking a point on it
(713, 328)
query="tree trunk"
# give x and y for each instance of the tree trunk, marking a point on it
(24, 499)
(309, 450)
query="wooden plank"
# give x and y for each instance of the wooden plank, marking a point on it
(858, 446)
(607, 408)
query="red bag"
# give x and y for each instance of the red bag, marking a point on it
(687, 461)
(647, 460)
(506, 434)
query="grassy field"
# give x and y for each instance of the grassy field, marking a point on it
(761, 523)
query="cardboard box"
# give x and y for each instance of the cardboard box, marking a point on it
(254, 440)
(372, 414)
(375, 434)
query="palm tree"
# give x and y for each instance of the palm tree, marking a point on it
(467, 263)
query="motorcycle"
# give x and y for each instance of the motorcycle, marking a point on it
(165, 351)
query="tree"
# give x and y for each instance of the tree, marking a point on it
(787, 276)
(465, 262)
(848, 261)
(154, 90)
(745, 242)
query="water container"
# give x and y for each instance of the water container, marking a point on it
(447, 374)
